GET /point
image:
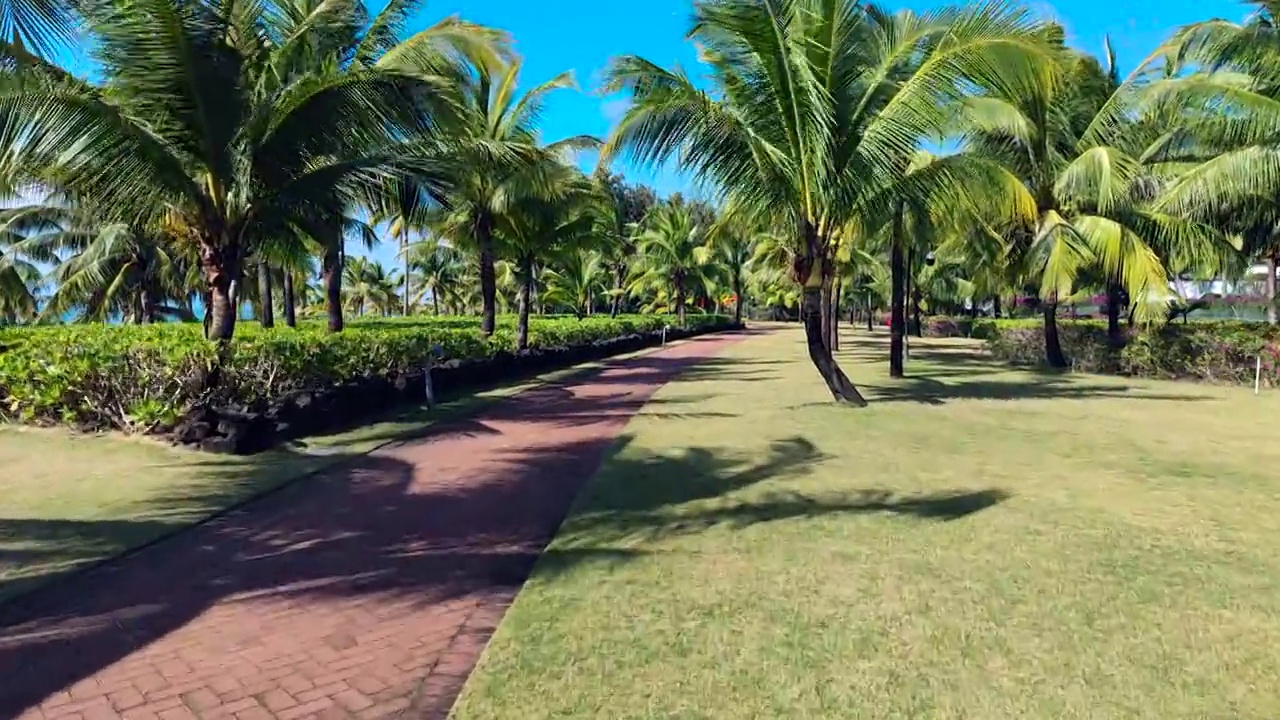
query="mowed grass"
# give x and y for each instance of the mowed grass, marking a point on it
(979, 543)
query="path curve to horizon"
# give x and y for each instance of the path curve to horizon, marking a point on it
(366, 591)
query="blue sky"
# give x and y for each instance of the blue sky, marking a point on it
(582, 35)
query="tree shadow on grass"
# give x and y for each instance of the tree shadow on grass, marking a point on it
(926, 390)
(658, 496)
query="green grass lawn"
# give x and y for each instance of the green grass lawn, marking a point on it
(979, 543)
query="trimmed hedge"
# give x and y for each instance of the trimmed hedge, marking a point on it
(1209, 351)
(151, 379)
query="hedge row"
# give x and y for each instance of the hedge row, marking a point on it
(147, 379)
(1220, 351)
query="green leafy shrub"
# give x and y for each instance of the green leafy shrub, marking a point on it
(146, 378)
(1211, 351)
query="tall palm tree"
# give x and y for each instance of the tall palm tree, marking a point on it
(815, 107)
(369, 286)
(672, 253)
(540, 227)
(1095, 201)
(439, 268)
(210, 127)
(18, 275)
(733, 244)
(576, 279)
(496, 146)
(1221, 80)
(620, 226)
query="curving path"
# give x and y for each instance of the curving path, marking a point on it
(367, 591)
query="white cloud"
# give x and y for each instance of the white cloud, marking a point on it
(613, 110)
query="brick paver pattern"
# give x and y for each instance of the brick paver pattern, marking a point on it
(367, 591)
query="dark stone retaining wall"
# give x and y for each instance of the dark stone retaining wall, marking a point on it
(245, 431)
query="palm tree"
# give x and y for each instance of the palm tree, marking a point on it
(18, 277)
(216, 126)
(496, 146)
(43, 26)
(439, 267)
(1094, 201)
(815, 107)
(733, 244)
(575, 279)
(672, 253)
(539, 227)
(1219, 80)
(368, 285)
(620, 226)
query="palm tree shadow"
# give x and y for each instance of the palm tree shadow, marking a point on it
(927, 390)
(655, 496)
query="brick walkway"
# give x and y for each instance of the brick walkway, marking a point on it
(365, 592)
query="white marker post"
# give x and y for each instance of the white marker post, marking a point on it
(1257, 375)
(664, 334)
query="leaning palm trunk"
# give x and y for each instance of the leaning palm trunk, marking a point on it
(1272, 263)
(525, 299)
(266, 313)
(331, 275)
(289, 300)
(820, 355)
(1052, 345)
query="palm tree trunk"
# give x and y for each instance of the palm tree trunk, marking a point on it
(1052, 345)
(488, 276)
(826, 313)
(871, 315)
(526, 292)
(435, 299)
(738, 299)
(1113, 313)
(266, 313)
(619, 277)
(898, 310)
(1272, 263)
(680, 302)
(221, 269)
(834, 342)
(290, 300)
(404, 252)
(331, 276)
(842, 390)
(995, 305)
(918, 330)
(802, 271)
(221, 313)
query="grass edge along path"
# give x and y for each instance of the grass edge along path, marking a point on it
(979, 542)
(50, 533)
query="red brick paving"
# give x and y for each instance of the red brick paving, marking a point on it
(367, 591)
